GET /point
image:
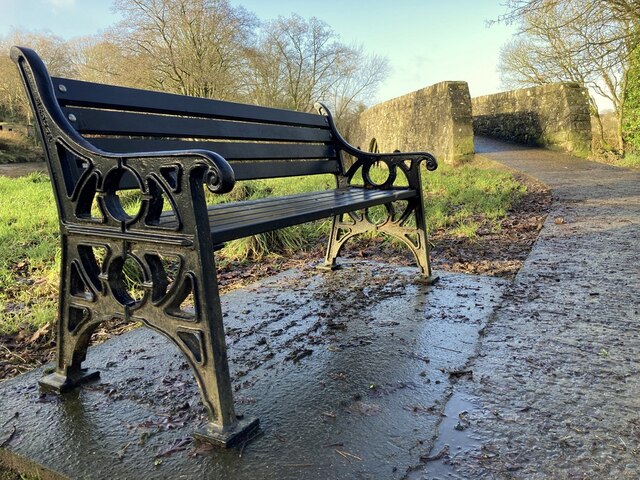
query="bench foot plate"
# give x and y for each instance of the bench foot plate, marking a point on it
(244, 430)
(430, 280)
(65, 383)
(329, 268)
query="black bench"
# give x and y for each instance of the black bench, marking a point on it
(93, 135)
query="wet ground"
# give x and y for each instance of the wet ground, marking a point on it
(349, 372)
(555, 392)
(363, 373)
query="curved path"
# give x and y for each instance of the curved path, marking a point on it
(556, 383)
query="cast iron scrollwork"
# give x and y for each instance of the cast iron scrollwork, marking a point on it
(170, 222)
(400, 170)
(407, 164)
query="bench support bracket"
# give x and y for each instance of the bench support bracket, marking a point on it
(404, 220)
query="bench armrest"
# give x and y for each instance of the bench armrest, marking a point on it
(407, 163)
(219, 176)
(369, 157)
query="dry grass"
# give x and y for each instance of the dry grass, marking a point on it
(16, 148)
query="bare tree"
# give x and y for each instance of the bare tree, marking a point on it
(103, 59)
(302, 57)
(12, 98)
(208, 48)
(608, 13)
(298, 62)
(52, 49)
(194, 47)
(572, 40)
(358, 82)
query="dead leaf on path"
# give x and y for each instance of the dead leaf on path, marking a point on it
(437, 456)
(202, 449)
(177, 446)
(40, 332)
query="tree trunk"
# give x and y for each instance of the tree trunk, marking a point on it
(596, 114)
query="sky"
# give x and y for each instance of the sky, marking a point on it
(425, 41)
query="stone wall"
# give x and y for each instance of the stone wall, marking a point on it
(553, 116)
(436, 119)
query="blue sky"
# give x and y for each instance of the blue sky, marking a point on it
(426, 41)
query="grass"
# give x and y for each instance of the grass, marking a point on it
(28, 252)
(630, 160)
(286, 240)
(7, 474)
(459, 200)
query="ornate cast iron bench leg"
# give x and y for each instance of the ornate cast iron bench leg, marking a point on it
(94, 289)
(398, 220)
(198, 333)
(78, 316)
(95, 292)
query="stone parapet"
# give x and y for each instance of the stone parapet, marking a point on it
(436, 119)
(554, 116)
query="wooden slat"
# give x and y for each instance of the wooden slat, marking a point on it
(229, 150)
(285, 168)
(298, 158)
(240, 219)
(95, 95)
(314, 209)
(104, 122)
(248, 160)
(275, 207)
(267, 161)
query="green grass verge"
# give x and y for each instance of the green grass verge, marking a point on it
(459, 200)
(630, 160)
(286, 240)
(28, 252)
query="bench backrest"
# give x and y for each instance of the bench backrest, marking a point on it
(258, 142)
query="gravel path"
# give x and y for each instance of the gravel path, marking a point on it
(555, 392)
(14, 170)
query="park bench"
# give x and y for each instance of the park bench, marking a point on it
(101, 140)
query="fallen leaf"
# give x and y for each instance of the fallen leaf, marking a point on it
(437, 456)
(40, 332)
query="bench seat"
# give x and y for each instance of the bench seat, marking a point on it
(230, 221)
